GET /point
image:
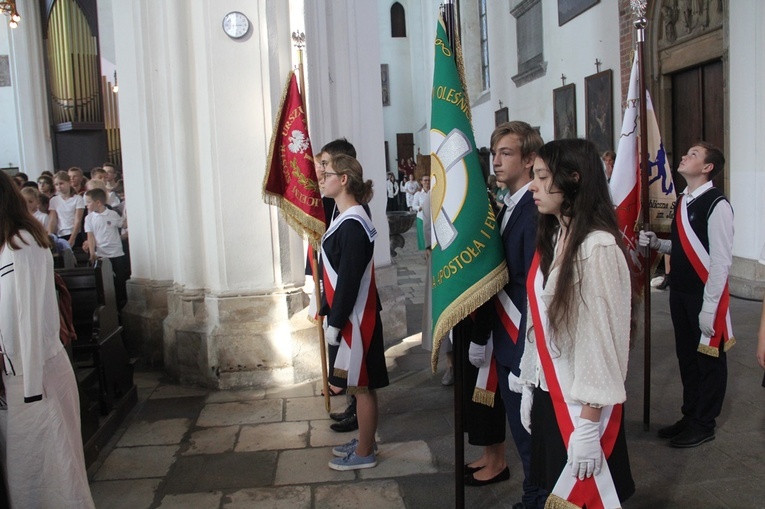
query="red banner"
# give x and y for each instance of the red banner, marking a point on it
(290, 182)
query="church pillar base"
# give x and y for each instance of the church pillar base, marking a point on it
(747, 279)
(142, 319)
(223, 342)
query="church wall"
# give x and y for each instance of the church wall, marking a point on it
(9, 141)
(746, 151)
(24, 105)
(570, 50)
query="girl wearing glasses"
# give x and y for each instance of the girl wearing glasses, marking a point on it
(350, 305)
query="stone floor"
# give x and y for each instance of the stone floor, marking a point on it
(185, 447)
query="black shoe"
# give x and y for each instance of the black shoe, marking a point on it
(664, 284)
(502, 476)
(349, 424)
(468, 470)
(692, 437)
(519, 505)
(674, 430)
(341, 416)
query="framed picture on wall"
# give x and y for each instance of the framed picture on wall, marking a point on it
(501, 116)
(385, 82)
(564, 112)
(600, 110)
(570, 9)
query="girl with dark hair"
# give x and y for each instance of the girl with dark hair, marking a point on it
(45, 461)
(575, 362)
(350, 305)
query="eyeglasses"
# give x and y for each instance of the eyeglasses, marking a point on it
(331, 173)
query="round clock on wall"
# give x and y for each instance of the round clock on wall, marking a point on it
(236, 25)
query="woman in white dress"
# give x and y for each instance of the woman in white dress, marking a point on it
(45, 463)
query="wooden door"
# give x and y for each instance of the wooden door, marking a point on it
(405, 152)
(697, 114)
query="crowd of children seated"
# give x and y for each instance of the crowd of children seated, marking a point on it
(84, 214)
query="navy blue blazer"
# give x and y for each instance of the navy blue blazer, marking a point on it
(519, 241)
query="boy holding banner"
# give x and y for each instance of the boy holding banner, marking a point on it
(513, 148)
(701, 247)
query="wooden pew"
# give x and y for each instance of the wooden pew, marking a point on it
(102, 365)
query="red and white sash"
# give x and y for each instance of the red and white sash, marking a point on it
(598, 491)
(487, 383)
(509, 314)
(356, 334)
(510, 317)
(699, 258)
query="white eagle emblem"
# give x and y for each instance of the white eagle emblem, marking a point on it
(298, 142)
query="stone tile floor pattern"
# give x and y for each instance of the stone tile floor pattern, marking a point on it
(186, 447)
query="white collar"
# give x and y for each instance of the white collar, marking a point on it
(511, 201)
(698, 191)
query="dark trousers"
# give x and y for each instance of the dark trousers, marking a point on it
(121, 269)
(533, 495)
(704, 377)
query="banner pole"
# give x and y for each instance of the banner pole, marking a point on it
(640, 24)
(298, 39)
(449, 15)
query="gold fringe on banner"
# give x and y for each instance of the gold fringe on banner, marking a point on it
(486, 288)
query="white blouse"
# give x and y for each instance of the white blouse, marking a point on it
(594, 349)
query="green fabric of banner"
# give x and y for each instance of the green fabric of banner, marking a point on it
(468, 261)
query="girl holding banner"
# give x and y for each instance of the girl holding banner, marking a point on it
(575, 361)
(351, 306)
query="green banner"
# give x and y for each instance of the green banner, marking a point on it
(468, 259)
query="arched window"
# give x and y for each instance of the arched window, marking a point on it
(397, 20)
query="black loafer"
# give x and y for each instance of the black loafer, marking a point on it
(502, 476)
(341, 416)
(468, 470)
(673, 430)
(692, 437)
(346, 425)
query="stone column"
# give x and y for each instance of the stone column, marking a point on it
(30, 93)
(217, 275)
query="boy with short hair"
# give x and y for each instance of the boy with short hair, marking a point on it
(103, 228)
(701, 246)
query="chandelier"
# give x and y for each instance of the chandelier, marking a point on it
(8, 7)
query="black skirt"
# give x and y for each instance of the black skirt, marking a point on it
(484, 425)
(549, 455)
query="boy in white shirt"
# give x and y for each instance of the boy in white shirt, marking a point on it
(103, 228)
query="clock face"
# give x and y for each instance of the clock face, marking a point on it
(236, 24)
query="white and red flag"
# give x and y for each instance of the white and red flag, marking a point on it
(625, 179)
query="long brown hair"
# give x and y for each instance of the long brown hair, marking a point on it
(360, 189)
(577, 173)
(14, 216)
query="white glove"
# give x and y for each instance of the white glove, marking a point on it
(585, 456)
(527, 400)
(649, 239)
(706, 323)
(332, 336)
(477, 355)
